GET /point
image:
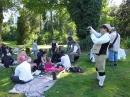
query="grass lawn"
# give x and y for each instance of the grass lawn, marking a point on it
(117, 83)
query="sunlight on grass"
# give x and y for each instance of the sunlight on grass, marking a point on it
(6, 84)
(117, 82)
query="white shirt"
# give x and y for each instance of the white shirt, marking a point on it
(116, 45)
(75, 49)
(23, 71)
(98, 38)
(34, 46)
(65, 61)
(8, 54)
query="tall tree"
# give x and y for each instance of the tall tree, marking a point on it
(123, 17)
(84, 13)
(4, 4)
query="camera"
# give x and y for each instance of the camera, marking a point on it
(88, 30)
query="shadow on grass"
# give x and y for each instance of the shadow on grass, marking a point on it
(6, 84)
(117, 83)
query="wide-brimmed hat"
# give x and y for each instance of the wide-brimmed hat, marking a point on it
(21, 48)
(22, 58)
(107, 26)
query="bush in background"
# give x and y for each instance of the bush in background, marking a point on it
(125, 43)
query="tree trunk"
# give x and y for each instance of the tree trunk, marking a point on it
(1, 21)
(51, 20)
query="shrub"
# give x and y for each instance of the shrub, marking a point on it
(125, 43)
(86, 44)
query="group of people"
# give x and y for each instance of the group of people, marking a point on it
(108, 40)
(43, 62)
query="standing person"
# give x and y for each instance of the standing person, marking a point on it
(101, 42)
(54, 46)
(22, 72)
(113, 50)
(35, 49)
(75, 51)
(69, 40)
(21, 53)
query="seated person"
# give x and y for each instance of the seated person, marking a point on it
(22, 72)
(7, 60)
(48, 65)
(55, 57)
(74, 52)
(28, 52)
(3, 48)
(39, 53)
(54, 46)
(8, 53)
(65, 61)
(43, 57)
(21, 53)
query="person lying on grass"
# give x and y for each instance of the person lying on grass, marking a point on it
(22, 72)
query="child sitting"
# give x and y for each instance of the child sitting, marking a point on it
(48, 66)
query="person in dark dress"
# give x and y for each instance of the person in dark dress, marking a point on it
(7, 60)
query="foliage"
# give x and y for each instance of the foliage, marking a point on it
(4, 5)
(22, 29)
(5, 31)
(8, 32)
(84, 13)
(46, 38)
(108, 14)
(125, 43)
(86, 44)
(123, 25)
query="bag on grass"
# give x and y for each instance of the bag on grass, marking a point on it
(76, 69)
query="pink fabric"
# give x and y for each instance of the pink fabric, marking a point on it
(48, 67)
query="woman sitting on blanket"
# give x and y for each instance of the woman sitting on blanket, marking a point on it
(22, 72)
(21, 53)
(48, 66)
(43, 57)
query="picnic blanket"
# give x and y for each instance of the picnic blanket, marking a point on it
(36, 87)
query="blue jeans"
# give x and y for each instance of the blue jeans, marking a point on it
(113, 56)
(17, 80)
(68, 46)
(35, 52)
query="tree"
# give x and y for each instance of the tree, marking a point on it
(22, 29)
(84, 13)
(123, 25)
(4, 5)
(43, 6)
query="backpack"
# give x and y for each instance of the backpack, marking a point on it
(76, 69)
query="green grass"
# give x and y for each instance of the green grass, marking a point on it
(117, 83)
(14, 45)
